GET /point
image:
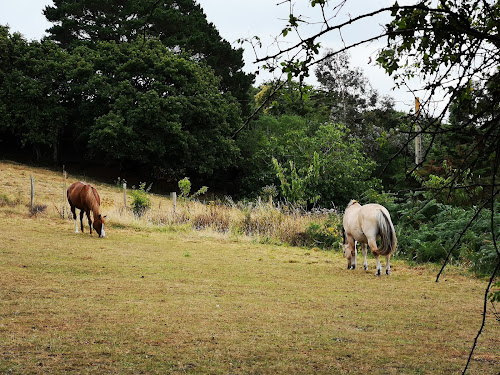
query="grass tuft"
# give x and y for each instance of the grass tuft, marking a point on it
(37, 209)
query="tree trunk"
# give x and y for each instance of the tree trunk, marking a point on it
(55, 153)
(36, 150)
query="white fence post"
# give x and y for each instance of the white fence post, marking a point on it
(125, 194)
(173, 195)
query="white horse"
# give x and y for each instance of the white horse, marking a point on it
(365, 224)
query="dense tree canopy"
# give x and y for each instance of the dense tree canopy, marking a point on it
(165, 110)
(33, 91)
(151, 85)
(179, 24)
(130, 103)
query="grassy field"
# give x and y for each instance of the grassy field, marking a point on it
(148, 300)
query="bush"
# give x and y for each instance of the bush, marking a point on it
(327, 234)
(140, 199)
(37, 209)
(185, 187)
(427, 231)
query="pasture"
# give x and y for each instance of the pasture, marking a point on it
(154, 301)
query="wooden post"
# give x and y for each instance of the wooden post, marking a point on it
(125, 194)
(65, 176)
(32, 192)
(173, 195)
(418, 137)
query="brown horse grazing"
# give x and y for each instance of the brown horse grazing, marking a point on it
(365, 224)
(85, 197)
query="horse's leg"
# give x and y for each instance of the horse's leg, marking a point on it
(81, 219)
(90, 222)
(74, 217)
(351, 247)
(355, 255)
(364, 250)
(388, 266)
(373, 247)
(379, 266)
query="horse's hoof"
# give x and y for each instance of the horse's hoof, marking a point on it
(366, 268)
(378, 273)
(353, 267)
(387, 272)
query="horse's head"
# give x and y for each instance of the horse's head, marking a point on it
(98, 225)
(347, 251)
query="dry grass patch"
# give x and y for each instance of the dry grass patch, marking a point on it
(259, 221)
(150, 302)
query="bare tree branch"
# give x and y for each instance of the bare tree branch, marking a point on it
(483, 321)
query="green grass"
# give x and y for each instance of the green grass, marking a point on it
(156, 302)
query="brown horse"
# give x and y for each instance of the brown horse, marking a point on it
(365, 224)
(85, 197)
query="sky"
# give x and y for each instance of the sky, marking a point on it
(247, 18)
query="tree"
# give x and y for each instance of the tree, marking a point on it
(351, 91)
(33, 87)
(369, 118)
(292, 99)
(459, 44)
(163, 110)
(138, 104)
(345, 170)
(318, 157)
(299, 187)
(179, 24)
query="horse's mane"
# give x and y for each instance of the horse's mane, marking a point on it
(94, 200)
(353, 201)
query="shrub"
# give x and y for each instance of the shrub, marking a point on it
(37, 209)
(427, 232)
(185, 187)
(140, 199)
(326, 234)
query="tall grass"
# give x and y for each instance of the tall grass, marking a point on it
(258, 221)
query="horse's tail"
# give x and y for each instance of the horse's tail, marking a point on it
(389, 242)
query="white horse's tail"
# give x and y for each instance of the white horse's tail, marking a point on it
(389, 242)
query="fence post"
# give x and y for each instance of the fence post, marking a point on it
(65, 176)
(418, 137)
(32, 192)
(125, 194)
(173, 195)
